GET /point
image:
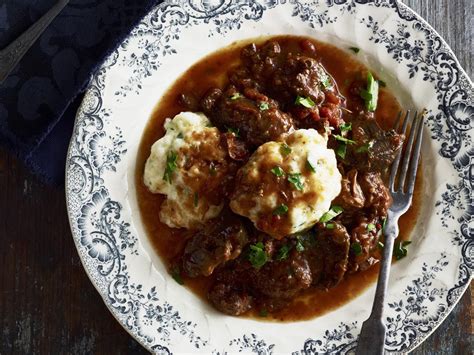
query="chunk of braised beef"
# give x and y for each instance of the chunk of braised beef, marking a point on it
(236, 148)
(355, 101)
(298, 76)
(283, 279)
(351, 196)
(364, 244)
(259, 63)
(221, 240)
(229, 300)
(377, 196)
(376, 149)
(328, 258)
(250, 114)
(209, 100)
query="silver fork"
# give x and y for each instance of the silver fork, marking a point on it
(372, 336)
(12, 54)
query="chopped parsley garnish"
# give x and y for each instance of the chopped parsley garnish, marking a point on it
(346, 127)
(365, 147)
(285, 149)
(380, 245)
(263, 313)
(234, 131)
(295, 180)
(343, 139)
(355, 49)
(283, 253)
(263, 106)
(326, 82)
(382, 83)
(180, 135)
(371, 227)
(333, 212)
(235, 96)
(399, 250)
(304, 101)
(299, 245)
(310, 166)
(196, 199)
(282, 209)
(257, 256)
(341, 150)
(356, 248)
(371, 94)
(329, 225)
(277, 171)
(384, 223)
(176, 275)
(170, 166)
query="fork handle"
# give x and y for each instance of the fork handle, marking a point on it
(12, 54)
(372, 336)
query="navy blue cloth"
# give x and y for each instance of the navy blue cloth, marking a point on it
(39, 100)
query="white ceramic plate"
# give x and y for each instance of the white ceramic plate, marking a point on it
(165, 317)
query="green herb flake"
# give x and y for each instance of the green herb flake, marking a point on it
(326, 82)
(234, 131)
(196, 199)
(304, 101)
(235, 96)
(343, 139)
(277, 171)
(399, 250)
(180, 135)
(364, 148)
(280, 210)
(310, 166)
(380, 245)
(330, 225)
(384, 223)
(346, 127)
(176, 275)
(295, 180)
(263, 313)
(382, 83)
(283, 253)
(341, 150)
(356, 248)
(371, 227)
(257, 256)
(355, 49)
(170, 166)
(299, 245)
(285, 149)
(371, 94)
(263, 106)
(333, 212)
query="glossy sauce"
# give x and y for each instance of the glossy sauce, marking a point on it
(211, 72)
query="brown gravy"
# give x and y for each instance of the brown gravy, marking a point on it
(210, 72)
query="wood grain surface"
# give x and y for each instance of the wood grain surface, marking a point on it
(49, 306)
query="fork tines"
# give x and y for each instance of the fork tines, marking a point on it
(411, 154)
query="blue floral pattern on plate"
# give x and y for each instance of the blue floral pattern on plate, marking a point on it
(103, 226)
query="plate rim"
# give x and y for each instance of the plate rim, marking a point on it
(407, 8)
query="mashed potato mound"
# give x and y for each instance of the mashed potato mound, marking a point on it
(287, 186)
(188, 165)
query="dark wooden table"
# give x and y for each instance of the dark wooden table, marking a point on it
(49, 306)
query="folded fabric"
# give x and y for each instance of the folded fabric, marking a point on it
(39, 100)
